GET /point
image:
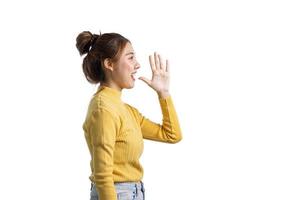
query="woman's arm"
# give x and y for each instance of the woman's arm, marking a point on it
(169, 130)
(103, 132)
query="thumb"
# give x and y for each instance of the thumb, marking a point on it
(147, 81)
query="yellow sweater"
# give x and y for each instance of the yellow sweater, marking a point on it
(114, 133)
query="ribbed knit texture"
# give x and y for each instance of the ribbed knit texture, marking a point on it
(114, 133)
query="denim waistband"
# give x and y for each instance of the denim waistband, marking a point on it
(137, 185)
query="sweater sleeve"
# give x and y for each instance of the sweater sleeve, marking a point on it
(169, 131)
(103, 134)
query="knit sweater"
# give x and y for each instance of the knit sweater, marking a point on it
(114, 133)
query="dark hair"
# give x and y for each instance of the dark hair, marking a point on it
(98, 48)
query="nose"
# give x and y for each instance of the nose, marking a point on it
(137, 66)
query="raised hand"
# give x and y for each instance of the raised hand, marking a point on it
(160, 75)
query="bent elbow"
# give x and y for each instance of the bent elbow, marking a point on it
(176, 139)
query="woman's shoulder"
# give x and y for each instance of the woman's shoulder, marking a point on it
(101, 103)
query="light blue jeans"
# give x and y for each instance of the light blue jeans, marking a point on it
(124, 190)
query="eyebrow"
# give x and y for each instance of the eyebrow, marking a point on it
(130, 53)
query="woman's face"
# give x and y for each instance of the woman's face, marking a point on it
(125, 68)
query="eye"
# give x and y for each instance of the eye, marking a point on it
(131, 57)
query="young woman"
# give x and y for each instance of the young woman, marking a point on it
(114, 131)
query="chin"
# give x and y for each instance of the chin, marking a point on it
(130, 86)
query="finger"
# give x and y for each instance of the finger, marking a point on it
(147, 81)
(151, 61)
(156, 61)
(167, 66)
(161, 63)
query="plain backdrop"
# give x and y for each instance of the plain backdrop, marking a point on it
(234, 81)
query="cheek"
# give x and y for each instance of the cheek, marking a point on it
(124, 71)
(127, 68)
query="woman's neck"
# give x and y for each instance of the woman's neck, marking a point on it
(111, 85)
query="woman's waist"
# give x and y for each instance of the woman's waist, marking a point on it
(128, 185)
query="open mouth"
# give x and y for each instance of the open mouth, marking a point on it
(133, 76)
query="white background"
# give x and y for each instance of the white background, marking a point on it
(234, 81)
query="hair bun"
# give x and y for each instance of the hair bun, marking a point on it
(84, 41)
(94, 39)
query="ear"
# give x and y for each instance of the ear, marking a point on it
(108, 64)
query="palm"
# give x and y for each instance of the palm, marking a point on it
(160, 74)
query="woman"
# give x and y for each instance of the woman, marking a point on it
(114, 130)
